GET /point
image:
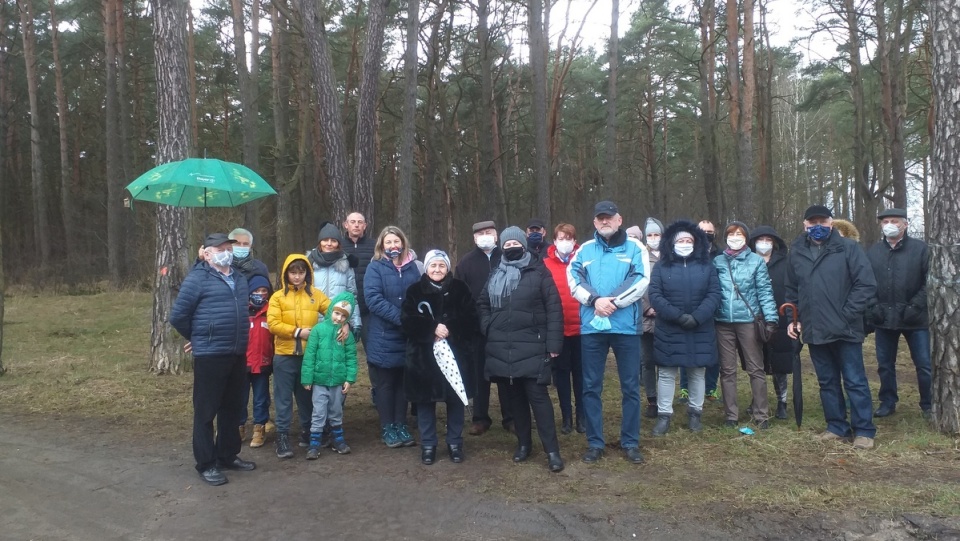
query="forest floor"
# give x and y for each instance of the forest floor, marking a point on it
(93, 446)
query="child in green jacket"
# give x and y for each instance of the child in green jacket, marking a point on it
(329, 369)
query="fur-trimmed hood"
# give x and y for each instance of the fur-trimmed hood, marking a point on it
(701, 246)
(847, 230)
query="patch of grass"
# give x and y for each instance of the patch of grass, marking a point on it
(85, 357)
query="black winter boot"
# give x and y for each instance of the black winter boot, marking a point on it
(663, 424)
(694, 420)
(283, 445)
(781, 410)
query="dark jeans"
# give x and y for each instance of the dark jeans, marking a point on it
(524, 394)
(626, 348)
(481, 402)
(839, 367)
(391, 399)
(711, 377)
(260, 385)
(217, 392)
(286, 389)
(649, 369)
(566, 367)
(919, 343)
(427, 422)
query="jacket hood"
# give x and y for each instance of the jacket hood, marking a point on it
(701, 246)
(345, 296)
(283, 273)
(847, 229)
(766, 230)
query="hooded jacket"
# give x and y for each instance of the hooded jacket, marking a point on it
(335, 278)
(831, 285)
(327, 362)
(525, 329)
(294, 309)
(901, 273)
(384, 287)
(745, 272)
(778, 351)
(424, 307)
(571, 308)
(211, 315)
(618, 268)
(685, 286)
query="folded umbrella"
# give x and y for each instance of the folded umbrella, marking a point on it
(447, 362)
(797, 377)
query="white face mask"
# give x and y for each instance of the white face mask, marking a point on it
(764, 247)
(736, 243)
(890, 230)
(564, 247)
(222, 259)
(653, 244)
(683, 250)
(486, 242)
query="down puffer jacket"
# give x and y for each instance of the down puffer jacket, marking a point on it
(293, 309)
(685, 286)
(749, 271)
(528, 326)
(211, 315)
(571, 307)
(384, 287)
(326, 361)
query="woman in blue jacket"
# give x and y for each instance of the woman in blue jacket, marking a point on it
(393, 270)
(746, 296)
(684, 292)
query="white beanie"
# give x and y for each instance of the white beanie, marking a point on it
(682, 235)
(436, 254)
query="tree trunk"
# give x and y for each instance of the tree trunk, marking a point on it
(173, 143)
(748, 175)
(41, 223)
(865, 196)
(944, 292)
(364, 160)
(66, 201)
(492, 193)
(334, 143)
(247, 83)
(612, 182)
(409, 129)
(114, 156)
(3, 130)
(709, 161)
(192, 74)
(538, 68)
(281, 105)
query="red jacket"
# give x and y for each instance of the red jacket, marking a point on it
(571, 307)
(260, 345)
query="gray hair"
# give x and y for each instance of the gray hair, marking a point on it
(240, 231)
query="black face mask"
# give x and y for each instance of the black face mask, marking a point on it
(710, 237)
(513, 254)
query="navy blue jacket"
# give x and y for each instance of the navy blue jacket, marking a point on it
(685, 286)
(384, 287)
(210, 315)
(901, 273)
(362, 251)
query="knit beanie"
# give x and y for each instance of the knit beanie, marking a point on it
(513, 233)
(259, 281)
(634, 231)
(653, 227)
(343, 307)
(682, 235)
(733, 226)
(330, 231)
(436, 254)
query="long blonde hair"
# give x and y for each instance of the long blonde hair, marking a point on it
(378, 251)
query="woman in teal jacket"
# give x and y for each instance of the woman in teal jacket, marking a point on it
(746, 295)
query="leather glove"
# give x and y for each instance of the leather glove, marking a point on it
(687, 322)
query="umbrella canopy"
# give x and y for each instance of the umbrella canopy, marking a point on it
(200, 182)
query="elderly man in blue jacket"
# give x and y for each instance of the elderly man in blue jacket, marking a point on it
(608, 276)
(211, 313)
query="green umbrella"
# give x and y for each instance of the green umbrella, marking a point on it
(200, 182)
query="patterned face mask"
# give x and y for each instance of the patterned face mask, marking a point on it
(222, 259)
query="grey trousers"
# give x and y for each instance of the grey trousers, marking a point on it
(733, 339)
(327, 407)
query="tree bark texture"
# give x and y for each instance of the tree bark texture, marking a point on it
(538, 69)
(612, 183)
(709, 161)
(492, 193)
(3, 129)
(173, 143)
(247, 84)
(365, 157)
(334, 142)
(66, 199)
(409, 130)
(41, 222)
(944, 285)
(747, 173)
(114, 155)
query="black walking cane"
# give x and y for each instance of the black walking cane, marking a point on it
(797, 377)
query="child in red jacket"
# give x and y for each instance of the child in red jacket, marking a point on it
(259, 360)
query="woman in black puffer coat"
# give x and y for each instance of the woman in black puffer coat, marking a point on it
(685, 292)
(522, 318)
(439, 307)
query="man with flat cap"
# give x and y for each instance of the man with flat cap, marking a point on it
(474, 268)
(900, 263)
(211, 313)
(831, 282)
(608, 275)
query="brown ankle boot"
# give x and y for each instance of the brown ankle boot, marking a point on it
(243, 432)
(258, 436)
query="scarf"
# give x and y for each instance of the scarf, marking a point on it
(324, 259)
(505, 279)
(734, 253)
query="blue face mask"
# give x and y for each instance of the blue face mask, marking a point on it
(393, 254)
(258, 300)
(818, 232)
(241, 252)
(534, 240)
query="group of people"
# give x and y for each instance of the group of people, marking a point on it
(521, 313)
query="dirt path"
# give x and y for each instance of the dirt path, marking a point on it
(80, 481)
